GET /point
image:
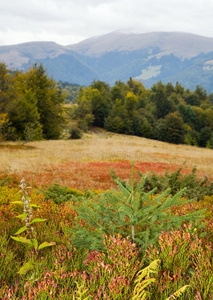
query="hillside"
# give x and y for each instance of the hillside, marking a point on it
(99, 146)
(149, 57)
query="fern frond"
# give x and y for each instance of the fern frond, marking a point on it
(178, 293)
(81, 293)
(151, 269)
(144, 281)
(139, 291)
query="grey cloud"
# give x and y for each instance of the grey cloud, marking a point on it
(69, 21)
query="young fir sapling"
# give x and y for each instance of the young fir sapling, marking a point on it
(129, 211)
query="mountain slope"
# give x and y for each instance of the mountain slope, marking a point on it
(149, 57)
(182, 45)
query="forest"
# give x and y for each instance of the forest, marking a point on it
(34, 107)
(164, 112)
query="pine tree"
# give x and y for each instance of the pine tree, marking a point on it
(128, 211)
(49, 101)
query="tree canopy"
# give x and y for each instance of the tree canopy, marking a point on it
(32, 107)
(164, 112)
(33, 104)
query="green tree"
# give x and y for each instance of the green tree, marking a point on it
(4, 123)
(83, 111)
(100, 102)
(175, 131)
(187, 113)
(200, 118)
(141, 126)
(209, 117)
(118, 91)
(5, 87)
(118, 120)
(162, 105)
(169, 89)
(49, 100)
(171, 129)
(205, 136)
(136, 87)
(192, 99)
(179, 89)
(24, 117)
(131, 102)
(129, 211)
(201, 93)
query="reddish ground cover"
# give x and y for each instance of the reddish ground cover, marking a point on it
(90, 175)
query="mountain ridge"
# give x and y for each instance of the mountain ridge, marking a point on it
(149, 57)
(126, 42)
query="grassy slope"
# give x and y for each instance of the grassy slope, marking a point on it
(94, 156)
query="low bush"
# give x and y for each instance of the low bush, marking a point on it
(60, 194)
(196, 188)
(75, 133)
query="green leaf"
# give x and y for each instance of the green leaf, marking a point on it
(35, 244)
(37, 220)
(46, 244)
(22, 240)
(22, 229)
(17, 202)
(34, 205)
(25, 268)
(22, 216)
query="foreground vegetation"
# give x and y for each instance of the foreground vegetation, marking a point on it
(126, 241)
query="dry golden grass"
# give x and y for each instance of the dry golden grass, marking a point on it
(101, 146)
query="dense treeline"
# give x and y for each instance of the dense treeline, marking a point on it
(31, 105)
(164, 112)
(32, 108)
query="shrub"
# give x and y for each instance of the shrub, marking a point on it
(75, 133)
(60, 194)
(195, 188)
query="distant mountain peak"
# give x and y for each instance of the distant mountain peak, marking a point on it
(149, 57)
(183, 45)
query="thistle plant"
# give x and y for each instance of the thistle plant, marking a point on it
(28, 229)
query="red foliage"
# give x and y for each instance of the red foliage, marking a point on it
(90, 175)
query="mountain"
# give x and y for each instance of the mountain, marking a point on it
(149, 57)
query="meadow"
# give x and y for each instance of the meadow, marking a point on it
(79, 232)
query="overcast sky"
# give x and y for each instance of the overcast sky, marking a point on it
(70, 21)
